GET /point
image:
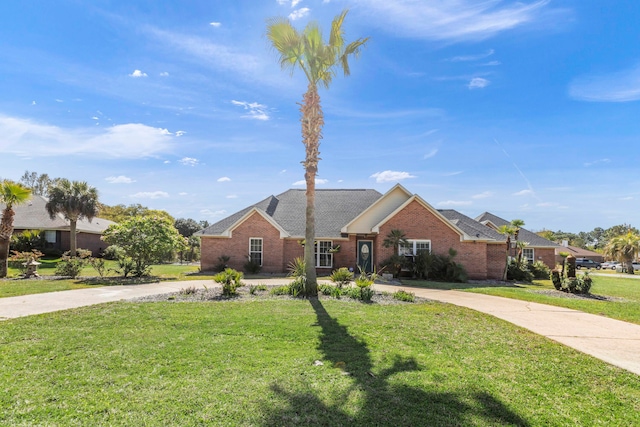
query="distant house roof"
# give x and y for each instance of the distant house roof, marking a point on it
(578, 252)
(525, 235)
(338, 210)
(33, 215)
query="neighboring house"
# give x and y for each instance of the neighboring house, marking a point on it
(271, 232)
(577, 253)
(538, 248)
(33, 215)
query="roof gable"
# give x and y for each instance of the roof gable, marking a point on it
(378, 211)
(534, 240)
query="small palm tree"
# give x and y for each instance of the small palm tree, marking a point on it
(517, 224)
(318, 60)
(75, 200)
(624, 248)
(11, 194)
(394, 239)
(507, 231)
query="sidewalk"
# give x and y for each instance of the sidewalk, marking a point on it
(612, 341)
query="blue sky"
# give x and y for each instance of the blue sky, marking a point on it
(526, 109)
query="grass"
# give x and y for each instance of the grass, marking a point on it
(625, 304)
(252, 363)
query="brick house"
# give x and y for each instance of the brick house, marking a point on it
(538, 248)
(33, 215)
(351, 226)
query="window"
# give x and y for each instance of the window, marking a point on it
(414, 246)
(50, 236)
(324, 258)
(255, 250)
(527, 254)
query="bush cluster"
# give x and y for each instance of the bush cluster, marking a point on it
(230, 280)
(430, 266)
(573, 285)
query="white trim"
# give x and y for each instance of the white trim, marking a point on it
(345, 229)
(229, 231)
(413, 243)
(316, 253)
(261, 249)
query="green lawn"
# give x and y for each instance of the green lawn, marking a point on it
(625, 305)
(252, 363)
(89, 278)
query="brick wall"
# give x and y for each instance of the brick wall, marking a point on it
(418, 223)
(238, 247)
(546, 255)
(496, 260)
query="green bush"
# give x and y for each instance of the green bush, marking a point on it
(539, 270)
(113, 252)
(326, 289)
(223, 260)
(70, 267)
(430, 266)
(230, 280)
(126, 266)
(519, 272)
(402, 295)
(395, 264)
(255, 288)
(98, 265)
(556, 279)
(297, 267)
(251, 266)
(27, 241)
(341, 277)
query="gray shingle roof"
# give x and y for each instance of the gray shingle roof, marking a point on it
(470, 226)
(33, 215)
(524, 235)
(334, 209)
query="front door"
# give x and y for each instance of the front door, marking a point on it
(365, 255)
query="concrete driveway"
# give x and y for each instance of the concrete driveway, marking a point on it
(612, 341)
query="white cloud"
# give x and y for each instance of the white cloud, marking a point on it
(224, 179)
(95, 118)
(491, 63)
(254, 110)
(166, 162)
(452, 19)
(455, 203)
(150, 195)
(300, 13)
(25, 137)
(303, 182)
(478, 83)
(121, 179)
(164, 74)
(137, 73)
(431, 153)
(215, 24)
(59, 100)
(189, 161)
(482, 195)
(621, 86)
(180, 133)
(597, 162)
(182, 193)
(232, 196)
(467, 58)
(454, 173)
(388, 176)
(33, 103)
(523, 193)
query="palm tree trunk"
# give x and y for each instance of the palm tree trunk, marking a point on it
(73, 248)
(506, 262)
(6, 230)
(312, 122)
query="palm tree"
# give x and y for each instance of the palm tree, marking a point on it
(11, 194)
(318, 60)
(507, 231)
(394, 239)
(517, 224)
(624, 248)
(75, 200)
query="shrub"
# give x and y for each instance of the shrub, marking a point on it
(556, 279)
(326, 289)
(297, 286)
(190, 290)
(519, 272)
(402, 295)
(432, 266)
(223, 260)
(113, 252)
(280, 290)
(395, 264)
(126, 266)
(297, 267)
(70, 267)
(18, 259)
(539, 270)
(341, 277)
(251, 266)
(98, 265)
(28, 240)
(255, 288)
(230, 280)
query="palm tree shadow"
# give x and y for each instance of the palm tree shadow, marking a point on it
(385, 402)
